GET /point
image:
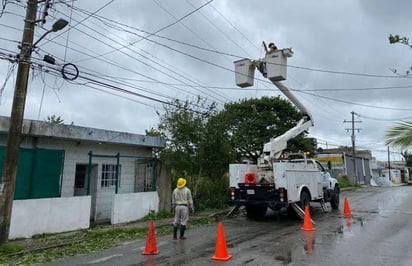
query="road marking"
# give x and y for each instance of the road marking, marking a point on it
(104, 259)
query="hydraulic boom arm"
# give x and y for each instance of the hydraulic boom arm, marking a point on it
(275, 147)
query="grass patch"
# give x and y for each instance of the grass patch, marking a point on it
(10, 248)
(157, 215)
(344, 182)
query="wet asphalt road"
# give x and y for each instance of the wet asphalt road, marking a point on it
(379, 233)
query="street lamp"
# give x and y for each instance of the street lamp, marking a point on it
(58, 25)
(8, 177)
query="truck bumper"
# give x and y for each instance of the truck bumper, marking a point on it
(268, 196)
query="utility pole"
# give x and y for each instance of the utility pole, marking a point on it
(389, 164)
(353, 144)
(8, 177)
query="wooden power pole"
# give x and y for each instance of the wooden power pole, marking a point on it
(8, 177)
(355, 170)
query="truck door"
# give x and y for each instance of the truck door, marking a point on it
(324, 175)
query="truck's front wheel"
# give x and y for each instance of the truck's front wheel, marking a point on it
(334, 201)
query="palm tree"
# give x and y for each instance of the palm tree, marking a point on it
(400, 135)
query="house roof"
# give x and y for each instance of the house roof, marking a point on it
(37, 128)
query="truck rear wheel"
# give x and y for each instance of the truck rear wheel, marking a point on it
(256, 211)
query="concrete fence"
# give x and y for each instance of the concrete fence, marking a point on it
(133, 206)
(56, 215)
(52, 215)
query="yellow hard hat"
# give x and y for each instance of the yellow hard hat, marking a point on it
(181, 182)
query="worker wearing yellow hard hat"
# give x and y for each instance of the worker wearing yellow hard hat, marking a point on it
(182, 202)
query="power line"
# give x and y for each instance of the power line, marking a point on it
(385, 119)
(70, 26)
(238, 56)
(233, 26)
(359, 104)
(105, 19)
(353, 103)
(169, 69)
(56, 71)
(342, 72)
(329, 98)
(130, 70)
(219, 29)
(161, 29)
(148, 65)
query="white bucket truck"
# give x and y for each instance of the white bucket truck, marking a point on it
(278, 182)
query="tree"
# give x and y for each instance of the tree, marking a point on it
(398, 39)
(55, 119)
(251, 123)
(201, 142)
(195, 142)
(408, 158)
(400, 135)
(402, 40)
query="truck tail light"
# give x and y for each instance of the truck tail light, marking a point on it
(282, 194)
(232, 193)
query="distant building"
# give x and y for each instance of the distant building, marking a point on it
(340, 163)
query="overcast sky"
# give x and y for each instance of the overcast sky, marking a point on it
(342, 61)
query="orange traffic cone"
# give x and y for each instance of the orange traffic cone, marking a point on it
(346, 209)
(151, 247)
(221, 249)
(307, 221)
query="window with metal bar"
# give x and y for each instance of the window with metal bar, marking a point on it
(108, 177)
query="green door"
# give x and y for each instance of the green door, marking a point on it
(39, 173)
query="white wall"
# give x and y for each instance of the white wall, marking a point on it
(77, 153)
(52, 215)
(133, 206)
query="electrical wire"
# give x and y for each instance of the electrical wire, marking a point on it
(55, 73)
(112, 23)
(74, 26)
(238, 56)
(359, 74)
(218, 28)
(3, 7)
(341, 72)
(159, 30)
(113, 87)
(140, 61)
(233, 26)
(184, 25)
(68, 32)
(353, 103)
(385, 119)
(10, 71)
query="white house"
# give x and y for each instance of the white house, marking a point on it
(69, 175)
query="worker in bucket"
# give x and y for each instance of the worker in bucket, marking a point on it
(182, 202)
(272, 48)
